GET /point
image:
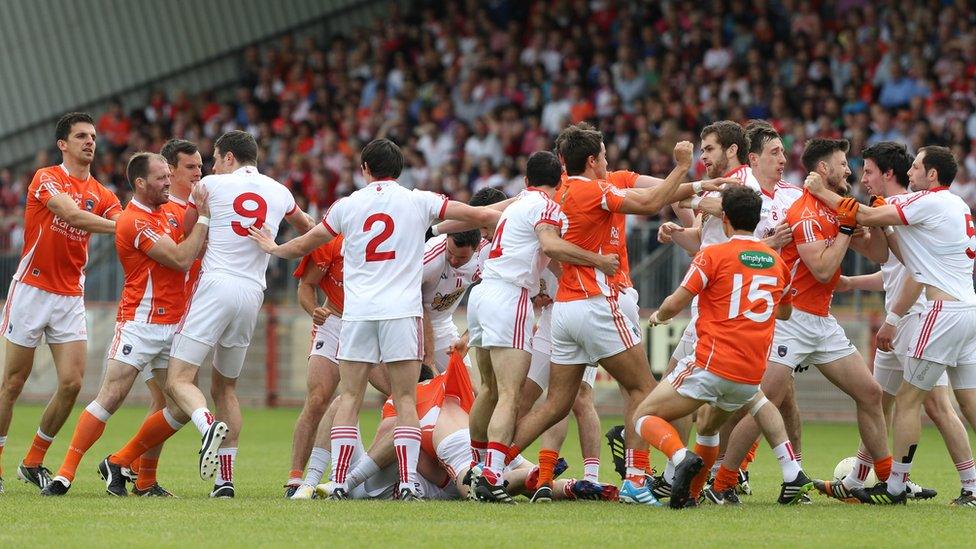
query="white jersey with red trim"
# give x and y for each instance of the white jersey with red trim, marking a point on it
(383, 228)
(237, 201)
(443, 285)
(894, 274)
(711, 227)
(515, 255)
(938, 241)
(774, 208)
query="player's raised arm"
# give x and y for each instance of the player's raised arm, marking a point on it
(648, 201)
(65, 207)
(560, 250)
(294, 248)
(882, 216)
(471, 217)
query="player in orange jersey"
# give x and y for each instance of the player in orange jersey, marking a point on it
(155, 257)
(65, 204)
(741, 283)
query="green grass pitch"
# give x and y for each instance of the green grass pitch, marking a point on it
(259, 516)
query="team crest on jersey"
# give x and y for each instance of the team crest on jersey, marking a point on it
(318, 345)
(89, 204)
(126, 349)
(699, 260)
(781, 350)
(808, 214)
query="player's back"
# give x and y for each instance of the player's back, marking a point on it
(443, 284)
(810, 221)
(237, 201)
(516, 256)
(622, 179)
(743, 281)
(383, 225)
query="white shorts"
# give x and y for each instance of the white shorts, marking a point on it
(539, 370)
(143, 346)
(807, 339)
(500, 315)
(325, 339)
(889, 366)
(382, 485)
(587, 330)
(685, 347)
(454, 452)
(32, 312)
(700, 384)
(433, 492)
(375, 341)
(946, 334)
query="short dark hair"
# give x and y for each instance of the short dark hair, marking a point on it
(819, 148)
(487, 196)
(576, 144)
(384, 159)
(426, 372)
(138, 167)
(67, 121)
(758, 133)
(942, 160)
(469, 239)
(729, 133)
(543, 169)
(742, 207)
(888, 155)
(173, 148)
(239, 143)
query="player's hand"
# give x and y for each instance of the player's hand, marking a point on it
(719, 183)
(461, 345)
(843, 285)
(814, 183)
(682, 153)
(655, 321)
(782, 235)
(711, 205)
(886, 337)
(665, 231)
(877, 201)
(609, 264)
(862, 233)
(263, 239)
(320, 314)
(847, 212)
(541, 300)
(200, 195)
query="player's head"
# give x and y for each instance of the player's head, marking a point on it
(184, 161)
(485, 197)
(886, 166)
(933, 167)
(75, 135)
(724, 146)
(742, 206)
(149, 177)
(582, 150)
(233, 150)
(559, 141)
(828, 157)
(461, 247)
(543, 170)
(381, 159)
(767, 156)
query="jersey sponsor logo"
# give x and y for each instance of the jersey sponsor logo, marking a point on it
(756, 260)
(443, 302)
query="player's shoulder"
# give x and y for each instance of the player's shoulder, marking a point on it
(49, 173)
(622, 178)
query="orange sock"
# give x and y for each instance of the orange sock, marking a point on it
(88, 430)
(136, 465)
(147, 472)
(154, 430)
(725, 479)
(750, 457)
(295, 473)
(661, 435)
(708, 454)
(512, 453)
(882, 468)
(35, 456)
(547, 466)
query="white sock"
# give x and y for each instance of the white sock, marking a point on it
(43, 436)
(203, 419)
(898, 477)
(172, 421)
(713, 472)
(669, 472)
(707, 440)
(967, 475)
(495, 461)
(317, 460)
(95, 409)
(679, 456)
(857, 476)
(406, 441)
(799, 458)
(787, 461)
(591, 469)
(515, 463)
(225, 473)
(364, 469)
(344, 442)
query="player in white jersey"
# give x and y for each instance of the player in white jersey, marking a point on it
(383, 228)
(932, 233)
(225, 304)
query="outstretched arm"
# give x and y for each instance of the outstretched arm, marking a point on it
(294, 248)
(65, 207)
(560, 250)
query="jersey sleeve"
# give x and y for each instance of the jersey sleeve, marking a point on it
(333, 217)
(696, 279)
(142, 235)
(612, 198)
(916, 209)
(547, 213)
(431, 269)
(806, 231)
(623, 179)
(108, 203)
(45, 186)
(289, 200)
(434, 205)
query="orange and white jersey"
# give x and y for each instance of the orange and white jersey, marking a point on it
(443, 286)
(516, 256)
(811, 221)
(55, 253)
(739, 283)
(153, 293)
(712, 231)
(328, 258)
(178, 207)
(774, 207)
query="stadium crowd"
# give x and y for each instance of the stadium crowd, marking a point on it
(470, 89)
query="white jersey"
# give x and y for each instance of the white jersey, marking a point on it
(515, 255)
(894, 274)
(938, 241)
(383, 228)
(712, 231)
(774, 208)
(238, 200)
(443, 285)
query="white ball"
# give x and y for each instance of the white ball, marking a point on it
(846, 465)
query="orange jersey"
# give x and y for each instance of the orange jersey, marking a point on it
(153, 293)
(739, 284)
(178, 208)
(55, 253)
(590, 206)
(327, 257)
(811, 221)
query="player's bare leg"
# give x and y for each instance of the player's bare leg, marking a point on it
(790, 412)
(223, 390)
(344, 435)
(182, 389)
(509, 367)
(321, 383)
(406, 434)
(967, 405)
(588, 423)
(484, 404)
(17, 365)
(564, 382)
(682, 424)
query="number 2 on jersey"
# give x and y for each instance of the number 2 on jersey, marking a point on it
(258, 213)
(755, 294)
(971, 233)
(371, 253)
(496, 250)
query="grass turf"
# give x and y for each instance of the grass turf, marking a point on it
(260, 517)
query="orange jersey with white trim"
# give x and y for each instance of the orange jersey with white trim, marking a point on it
(55, 253)
(153, 293)
(178, 208)
(590, 206)
(453, 382)
(327, 257)
(739, 284)
(811, 221)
